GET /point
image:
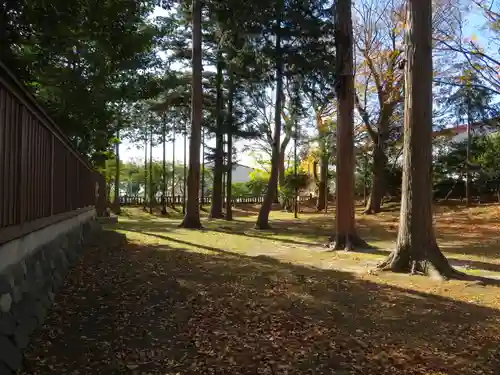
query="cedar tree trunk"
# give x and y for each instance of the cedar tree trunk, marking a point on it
(192, 216)
(116, 201)
(416, 248)
(272, 186)
(216, 208)
(345, 236)
(377, 190)
(229, 122)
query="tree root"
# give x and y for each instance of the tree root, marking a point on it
(215, 217)
(347, 242)
(434, 265)
(262, 226)
(188, 223)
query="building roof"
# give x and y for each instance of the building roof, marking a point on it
(461, 129)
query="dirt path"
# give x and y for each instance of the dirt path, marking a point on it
(135, 309)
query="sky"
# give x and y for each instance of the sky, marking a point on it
(130, 151)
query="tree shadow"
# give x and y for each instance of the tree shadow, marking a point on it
(129, 308)
(474, 264)
(316, 230)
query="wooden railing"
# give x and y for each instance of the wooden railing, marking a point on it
(128, 200)
(43, 178)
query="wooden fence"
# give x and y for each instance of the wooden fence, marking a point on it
(43, 178)
(178, 200)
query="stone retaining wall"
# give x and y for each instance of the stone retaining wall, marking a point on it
(29, 283)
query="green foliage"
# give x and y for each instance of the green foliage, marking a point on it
(258, 182)
(241, 189)
(294, 183)
(84, 61)
(489, 157)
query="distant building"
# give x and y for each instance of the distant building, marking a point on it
(240, 173)
(459, 133)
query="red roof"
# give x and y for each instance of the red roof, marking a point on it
(459, 129)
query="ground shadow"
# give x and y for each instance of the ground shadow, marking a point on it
(135, 309)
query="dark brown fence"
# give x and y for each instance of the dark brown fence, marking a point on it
(43, 178)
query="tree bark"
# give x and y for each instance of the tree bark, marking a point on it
(151, 193)
(468, 195)
(184, 176)
(192, 216)
(164, 170)
(265, 208)
(202, 169)
(116, 201)
(416, 248)
(108, 193)
(229, 122)
(323, 181)
(173, 169)
(282, 169)
(145, 207)
(346, 236)
(216, 208)
(281, 178)
(378, 187)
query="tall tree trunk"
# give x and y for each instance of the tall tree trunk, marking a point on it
(184, 181)
(295, 166)
(378, 188)
(192, 216)
(116, 201)
(282, 169)
(145, 205)
(323, 180)
(224, 187)
(265, 208)
(164, 170)
(281, 178)
(173, 169)
(229, 122)
(416, 248)
(216, 208)
(151, 192)
(108, 192)
(468, 195)
(202, 168)
(345, 236)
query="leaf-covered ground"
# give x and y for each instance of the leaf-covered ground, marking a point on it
(172, 301)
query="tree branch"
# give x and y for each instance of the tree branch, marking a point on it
(366, 119)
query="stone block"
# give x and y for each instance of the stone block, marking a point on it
(107, 220)
(5, 302)
(18, 272)
(7, 324)
(6, 283)
(57, 280)
(17, 293)
(22, 310)
(28, 285)
(9, 354)
(64, 244)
